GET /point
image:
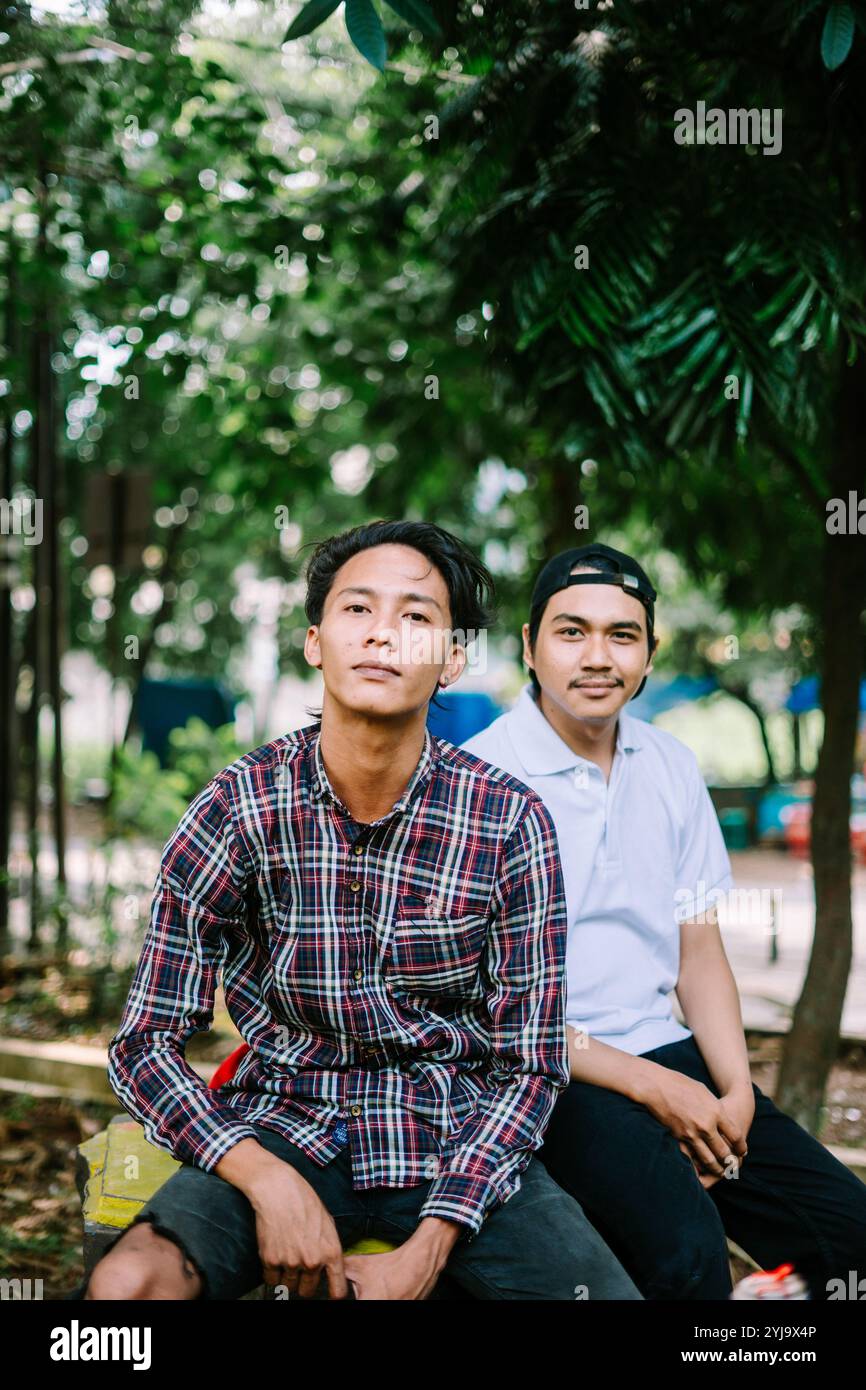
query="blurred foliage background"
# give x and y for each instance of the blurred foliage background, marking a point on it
(455, 268)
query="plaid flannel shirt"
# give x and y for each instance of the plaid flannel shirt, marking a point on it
(404, 977)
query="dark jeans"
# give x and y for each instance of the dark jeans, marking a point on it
(791, 1202)
(537, 1245)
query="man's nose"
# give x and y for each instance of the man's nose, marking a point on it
(382, 636)
(594, 652)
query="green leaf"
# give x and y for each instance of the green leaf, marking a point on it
(576, 326)
(310, 17)
(781, 300)
(366, 32)
(418, 14)
(745, 405)
(713, 370)
(838, 35)
(788, 328)
(667, 344)
(696, 354)
(534, 331)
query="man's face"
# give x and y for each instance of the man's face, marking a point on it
(591, 649)
(385, 639)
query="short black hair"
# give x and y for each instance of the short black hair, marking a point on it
(469, 583)
(601, 565)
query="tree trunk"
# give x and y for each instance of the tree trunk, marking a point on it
(8, 563)
(560, 481)
(796, 744)
(7, 703)
(741, 693)
(29, 753)
(46, 424)
(812, 1045)
(163, 615)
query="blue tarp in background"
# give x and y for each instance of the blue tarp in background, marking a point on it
(461, 714)
(167, 705)
(806, 695)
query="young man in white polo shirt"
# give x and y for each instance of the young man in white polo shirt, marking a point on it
(660, 1135)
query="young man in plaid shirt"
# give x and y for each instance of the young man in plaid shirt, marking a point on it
(388, 917)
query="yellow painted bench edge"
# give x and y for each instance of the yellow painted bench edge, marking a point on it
(109, 1209)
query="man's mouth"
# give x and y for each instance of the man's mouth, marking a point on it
(376, 670)
(597, 686)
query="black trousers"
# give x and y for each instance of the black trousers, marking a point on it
(792, 1201)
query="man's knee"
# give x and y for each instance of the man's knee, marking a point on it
(692, 1265)
(144, 1265)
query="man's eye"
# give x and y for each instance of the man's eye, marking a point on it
(629, 636)
(570, 631)
(359, 607)
(422, 616)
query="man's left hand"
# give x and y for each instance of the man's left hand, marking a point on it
(739, 1105)
(390, 1275)
(410, 1271)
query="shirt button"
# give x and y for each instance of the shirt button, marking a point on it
(357, 974)
(358, 849)
(356, 1110)
(354, 886)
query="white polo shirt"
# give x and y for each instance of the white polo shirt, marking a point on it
(640, 854)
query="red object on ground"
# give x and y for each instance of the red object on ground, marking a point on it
(226, 1070)
(798, 831)
(798, 828)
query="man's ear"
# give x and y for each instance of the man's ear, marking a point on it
(312, 648)
(527, 650)
(653, 655)
(454, 666)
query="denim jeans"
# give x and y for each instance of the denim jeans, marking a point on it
(791, 1201)
(537, 1245)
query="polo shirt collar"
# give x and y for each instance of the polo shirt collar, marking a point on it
(320, 785)
(540, 748)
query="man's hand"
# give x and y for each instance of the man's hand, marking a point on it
(739, 1105)
(409, 1272)
(296, 1235)
(710, 1130)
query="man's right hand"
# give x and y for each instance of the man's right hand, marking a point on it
(296, 1235)
(698, 1119)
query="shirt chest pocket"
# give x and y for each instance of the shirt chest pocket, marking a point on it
(436, 955)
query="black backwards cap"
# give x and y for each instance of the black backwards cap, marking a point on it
(627, 575)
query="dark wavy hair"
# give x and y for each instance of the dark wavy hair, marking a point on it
(471, 590)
